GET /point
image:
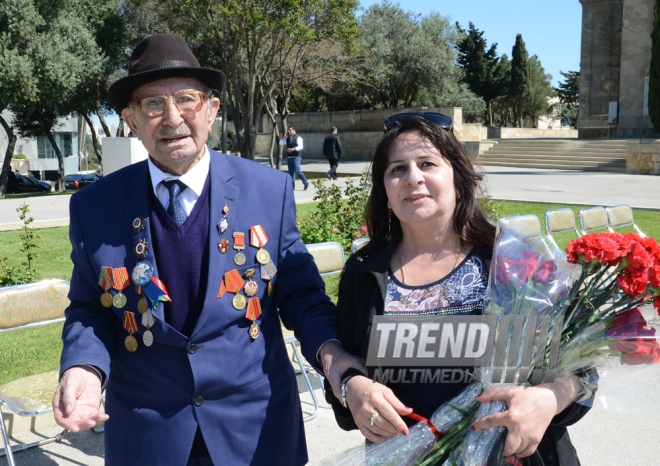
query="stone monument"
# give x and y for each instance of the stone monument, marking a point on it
(614, 68)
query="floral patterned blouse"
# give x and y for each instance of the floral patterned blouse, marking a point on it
(460, 292)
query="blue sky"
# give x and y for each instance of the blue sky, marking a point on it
(550, 30)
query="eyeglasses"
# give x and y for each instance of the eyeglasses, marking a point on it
(443, 121)
(187, 102)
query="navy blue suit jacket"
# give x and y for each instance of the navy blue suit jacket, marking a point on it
(251, 411)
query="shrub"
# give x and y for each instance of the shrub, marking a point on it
(19, 157)
(12, 275)
(491, 209)
(338, 216)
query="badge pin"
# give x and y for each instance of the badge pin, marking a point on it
(138, 224)
(251, 288)
(239, 245)
(223, 246)
(223, 224)
(141, 249)
(225, 209)
(254, 331)
(142, 273)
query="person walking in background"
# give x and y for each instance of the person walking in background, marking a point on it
(332, 152)
(294, 147)
(11, 182)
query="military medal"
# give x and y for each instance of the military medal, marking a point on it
(121, 281)
(239, 245)
(141, 249)
(259, 239)
(148, 321)
(251, 286)
(223, 246)
(223, 289)
(138, 224)
(253, 312)
(105, 280)
(131, 327)
(238, 301)
(223, 224)
(270, 289)
(233, 284)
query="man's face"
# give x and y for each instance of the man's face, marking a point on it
(292, 131)
(175, 142)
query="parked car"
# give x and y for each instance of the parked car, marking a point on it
(78, 181)
(26, 185)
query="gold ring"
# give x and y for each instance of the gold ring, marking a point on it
(374, 416)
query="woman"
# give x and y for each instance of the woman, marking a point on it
(429, 254)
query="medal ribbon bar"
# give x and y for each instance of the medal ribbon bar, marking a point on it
(233, 281)
(258, 236)
(130, 323)
(253, 309)
(121, 278)
(105, 278)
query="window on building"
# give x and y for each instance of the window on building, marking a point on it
(64, 142)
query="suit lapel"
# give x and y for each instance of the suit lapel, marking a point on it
(221, 193)
(138, 206)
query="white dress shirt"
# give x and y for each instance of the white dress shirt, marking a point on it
(194, 180)
(299, 147)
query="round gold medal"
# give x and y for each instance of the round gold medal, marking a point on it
(142, 305)
(106, 299)
(254, 330)
(131, 343)
(270, 289)
(148, 338)
(262, 256)
(239, 259)
(238, 301)
(119, 300)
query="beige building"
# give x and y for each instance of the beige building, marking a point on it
(614, 68)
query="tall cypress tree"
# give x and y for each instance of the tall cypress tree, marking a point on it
(521, 77)
(480, 66)
(654, 74)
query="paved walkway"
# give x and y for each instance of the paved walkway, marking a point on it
(502, 183)
(602, 438)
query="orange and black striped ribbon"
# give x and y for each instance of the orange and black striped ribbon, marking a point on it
(223, 289)
(233, 281)
(130, 324)
(121, 278)
(253, 309)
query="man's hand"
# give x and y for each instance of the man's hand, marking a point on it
(289, 150)
(335, 360)
(77, 400)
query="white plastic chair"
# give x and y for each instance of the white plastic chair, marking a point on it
(593, 218)
(622, 216)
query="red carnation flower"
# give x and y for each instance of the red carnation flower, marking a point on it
(633, 282)
(546, 273)
(635, 342)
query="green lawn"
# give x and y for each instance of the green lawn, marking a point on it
(53, 262)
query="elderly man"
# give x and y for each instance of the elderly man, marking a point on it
(181, 263)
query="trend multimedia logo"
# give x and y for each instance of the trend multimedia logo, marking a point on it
(514, 347)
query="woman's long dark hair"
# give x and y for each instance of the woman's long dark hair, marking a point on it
(469, 221)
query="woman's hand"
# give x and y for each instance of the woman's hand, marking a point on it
(530, 412)
(363, 396)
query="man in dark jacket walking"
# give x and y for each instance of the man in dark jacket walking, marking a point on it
(332, 152)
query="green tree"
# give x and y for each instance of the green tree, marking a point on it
(481, 68)
(654, 74)
(536, 104)
(520, 87)
(415, 57)
(502, 104)
(250, 40)
(569, 98)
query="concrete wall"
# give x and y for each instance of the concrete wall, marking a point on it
(472, 132)
(530, 133)
(643, 156)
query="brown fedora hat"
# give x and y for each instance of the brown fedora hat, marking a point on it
(157, 57)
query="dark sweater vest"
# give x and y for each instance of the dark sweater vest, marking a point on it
(182, 255)
(292, 143)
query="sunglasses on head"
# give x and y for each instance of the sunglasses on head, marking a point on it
(443, 121)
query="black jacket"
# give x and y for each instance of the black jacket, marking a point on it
(332, 147)
(362, 291)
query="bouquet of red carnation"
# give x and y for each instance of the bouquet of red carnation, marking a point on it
(597, 286)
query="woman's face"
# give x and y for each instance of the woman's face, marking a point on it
(419, 182)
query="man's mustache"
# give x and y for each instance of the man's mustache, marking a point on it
(180, 131)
